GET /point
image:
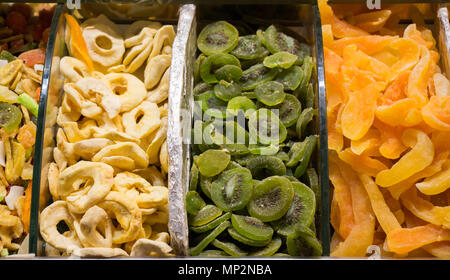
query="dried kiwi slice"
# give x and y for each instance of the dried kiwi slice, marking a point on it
(244, 240)
(211, 105)
(211, 162)
(269, 250)
(282, 155)
(241, 103)
(233, 189)
(197, 64)
(296, 153)
(229, 248)
(193, 177)
(256, 75)
(217, 37)
(229, 73)
(213, 254)
(280, 59)
(251, 227)
(194, 202)
(269, 150)
(209, 238)
(209, 226)
(276, 41)
(303, 244)
(289, 110)
(212, 63)
(270, 93)
(264, 166)
(301, 212)
(205, 185)
(303, 120)
(272, 198)
(227, 91)
(311, 142)
(202, 87)
(249, 94)
(266, 127)
(205, 215)
(249, 47)
(290, 78)
(236, 139)
(10, 117)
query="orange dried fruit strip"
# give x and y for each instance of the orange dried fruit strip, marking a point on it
(343, 197)
(410, 54)
(412, 33)
(405, 240)
(425, 210)
(335, 138)
(436, 184)
(368, 145)
(77, 45)
(369, 44)
(361, 106)
(436, 113)
(362, 163)
(403, 112)
(420, 156)
(418, 79)
(354, 57)
(385, 217)
(362, 233)
(372, 21)
(439, 249)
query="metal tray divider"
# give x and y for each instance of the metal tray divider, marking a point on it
(178, 119)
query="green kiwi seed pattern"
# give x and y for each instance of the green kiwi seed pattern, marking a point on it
(257, 196)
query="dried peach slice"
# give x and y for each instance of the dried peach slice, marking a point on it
(436, 113)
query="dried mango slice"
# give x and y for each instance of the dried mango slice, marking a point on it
(372, 21)
(418, 79)
(385, 217)
(440, 140)
(343, 197)
(436, 166)
(441, 85)
(412, 33)
(354, 79)
(370, 44)
(403, 112)
(361, 106)
(396, 90)
(335, 138)
(425, 210)
(333, 64)
(420, 156)
(410, 52)
(436, 113)
(439, 249)
(354, 57)
(362, 234)
(362, 163)
(368, 145)
(327, 35)
(437, 183)
(405, 240)
(77, 44)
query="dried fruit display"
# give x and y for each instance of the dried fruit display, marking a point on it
(253, 191)
(388, 116)
(23, 39)
(108, 180)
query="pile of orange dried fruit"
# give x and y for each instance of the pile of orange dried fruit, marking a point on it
(388, 108)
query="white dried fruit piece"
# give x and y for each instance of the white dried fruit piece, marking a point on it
(161, 236)
(126, 212)
(159, 217)
(50, 217)
(126, 149)
(96, 90)
(9, 72)
(86, 107)
(126, 180)
(68, 112)
(78, 131)
(95, 217)
(86, 149)
(152, 175)
(84, 184)
(98, 252)
(164, 157)
(164, 37)
(142, 120)
(129, 89)
(145, 247)
(161, 92)
(134, 28)
(60, 159)
(156, 196)
(141, 45)
(104, 43)
(157, 139)
(113, 135)
(164, 110)
(53, 175)
(155, 69)
(73, 69)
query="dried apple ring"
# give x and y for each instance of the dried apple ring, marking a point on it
(129, 89)
(142, 120)
(84, 184)
(155, 69)
(137, 26)
(129, 150)
(164, 37)
(87, 228)
(73, 69)
(127, 214)
(50, 217)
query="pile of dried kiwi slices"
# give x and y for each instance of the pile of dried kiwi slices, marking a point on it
(252, 198)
